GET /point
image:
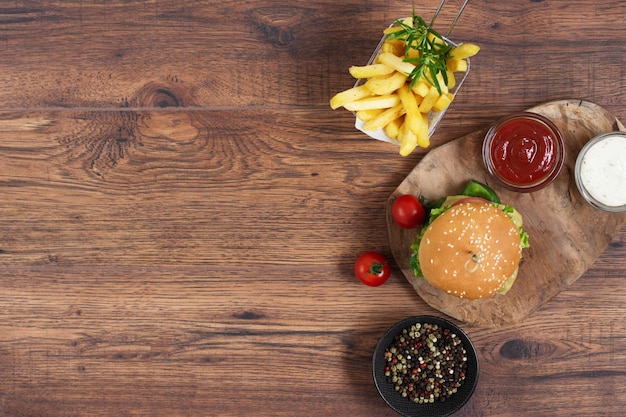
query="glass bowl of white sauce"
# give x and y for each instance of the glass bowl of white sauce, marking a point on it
(600, 171)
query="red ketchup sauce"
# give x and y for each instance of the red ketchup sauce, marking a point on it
(523, 151)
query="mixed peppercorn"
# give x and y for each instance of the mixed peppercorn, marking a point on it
(426, 363)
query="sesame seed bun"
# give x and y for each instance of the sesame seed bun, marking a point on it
(470, 251)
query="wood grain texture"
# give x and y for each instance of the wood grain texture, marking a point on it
(567, 235)
(180, 210)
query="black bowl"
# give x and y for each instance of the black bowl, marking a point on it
(403, 405)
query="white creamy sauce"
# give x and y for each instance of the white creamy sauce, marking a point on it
(603, 171)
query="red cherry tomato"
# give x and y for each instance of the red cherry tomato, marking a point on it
(471, 200)
(372, 268)
(408, 212)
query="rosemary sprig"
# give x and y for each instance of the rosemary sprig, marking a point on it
(432, 47)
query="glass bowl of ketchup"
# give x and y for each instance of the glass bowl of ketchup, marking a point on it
(524, 152)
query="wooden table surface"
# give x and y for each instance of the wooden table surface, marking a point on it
(180, 209)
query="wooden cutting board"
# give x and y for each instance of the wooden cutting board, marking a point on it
(567, 235)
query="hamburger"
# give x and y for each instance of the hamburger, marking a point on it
(471, 245)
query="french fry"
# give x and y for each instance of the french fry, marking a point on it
(451, 80)
(393, 127)
(435, 40)
(408, 99)
(442, 102)
(423, 140)
(464, 50)
(385, 117)
(421, 88)
(395, 47)
(396, 62)
(413, 118)
(407, 138)
(349, 95)
(456, 65)
(369, 71)
(386, 85)
(412, 54)
(365, 115)
(375, 102)
(442, 83)
(392, 29)
(429, 100)
(415, 122)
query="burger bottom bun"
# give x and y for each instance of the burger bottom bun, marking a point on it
(470, 250)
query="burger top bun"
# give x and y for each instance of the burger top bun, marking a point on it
(470, 250)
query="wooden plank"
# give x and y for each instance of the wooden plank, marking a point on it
(171, 186)
(238, 54)
(180, 210)
(168, 340)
